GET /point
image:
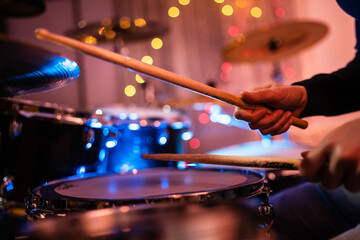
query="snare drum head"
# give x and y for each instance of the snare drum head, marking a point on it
(154, 185)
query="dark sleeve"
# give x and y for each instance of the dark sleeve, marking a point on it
(335, 93)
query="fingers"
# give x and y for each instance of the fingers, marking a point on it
(314, 163)
(275, 123)
(278, 126)
(326, 164)
(250, 115)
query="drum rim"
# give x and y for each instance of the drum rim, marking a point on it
(69, 204)
(43, 110)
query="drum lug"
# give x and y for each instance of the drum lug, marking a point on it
(89, 137)
(15, 128)
(6, 188)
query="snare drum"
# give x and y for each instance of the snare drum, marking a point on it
(147, 186)
(44, 141)
(216, 221)
(143, 130)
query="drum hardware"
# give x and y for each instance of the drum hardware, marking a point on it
(266, 211)
(15, 128)
(6, 188)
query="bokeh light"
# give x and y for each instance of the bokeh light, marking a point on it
(130, 90)
(225, 76)
(280, 12)
(204, 118)
(174, 12)
(233, 31)
(110, 34)
(147, 59)
(90, 40)
(184, 2)
(139, 79)
(289, 72)
(194, 143)
(256, 12)
(227, 10)
(140, 22)
(156, 43)
(226, 67)
(124, 22)
(82, 24)
(219, 1)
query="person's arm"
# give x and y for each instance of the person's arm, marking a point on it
(335, 93)
(324, 94)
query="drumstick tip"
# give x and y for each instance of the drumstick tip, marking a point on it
(41, 33)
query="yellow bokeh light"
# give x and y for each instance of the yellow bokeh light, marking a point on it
(256, 12)
(110, 34)
(124, 22)
(130, 90)
(156, 43)
(90, 40)
(140, 22)
(174, 12)
(241, 3)
(184, 2)
(227, 10)
(219, 1)
(101, 31)
(139, 79)
(147, 59)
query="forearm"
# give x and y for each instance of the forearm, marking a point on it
(335, 93)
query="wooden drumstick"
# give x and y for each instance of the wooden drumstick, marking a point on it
(253, 162)
(155, 72)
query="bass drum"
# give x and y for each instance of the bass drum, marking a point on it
(41, 141)
(147, 186)
(143, 130)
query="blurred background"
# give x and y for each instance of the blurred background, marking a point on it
(188, 37)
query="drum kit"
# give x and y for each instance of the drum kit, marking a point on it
(82, 173)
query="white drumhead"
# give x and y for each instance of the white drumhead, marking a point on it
(149, 183)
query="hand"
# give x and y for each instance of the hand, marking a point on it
(287, 100)
(336, 160)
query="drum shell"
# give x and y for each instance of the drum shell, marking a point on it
(45, 149)
(151, 131)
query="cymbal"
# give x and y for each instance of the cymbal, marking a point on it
(28, 69)
(21, 8)
(110, 30)
(275, 42)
